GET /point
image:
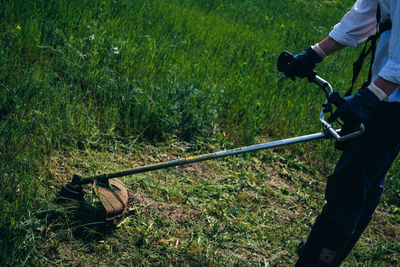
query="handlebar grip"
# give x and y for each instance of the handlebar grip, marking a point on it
(284, 60)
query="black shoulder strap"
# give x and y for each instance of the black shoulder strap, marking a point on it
(358, 64)
(372, 40)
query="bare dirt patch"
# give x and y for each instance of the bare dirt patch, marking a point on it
(198, 170)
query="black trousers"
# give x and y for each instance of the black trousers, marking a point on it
(355, 187)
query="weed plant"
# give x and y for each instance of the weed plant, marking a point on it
(86, 74)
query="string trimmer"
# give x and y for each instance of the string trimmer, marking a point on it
(112, 191)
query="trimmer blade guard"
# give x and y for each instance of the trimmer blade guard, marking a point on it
(71, 191)
(114, 198)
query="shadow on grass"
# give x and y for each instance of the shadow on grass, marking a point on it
(85, 221)
(89, 223)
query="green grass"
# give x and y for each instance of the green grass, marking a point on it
(83, 80)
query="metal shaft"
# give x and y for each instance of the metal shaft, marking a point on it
(194, 159)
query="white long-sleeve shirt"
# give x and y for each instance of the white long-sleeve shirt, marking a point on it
(360, 23)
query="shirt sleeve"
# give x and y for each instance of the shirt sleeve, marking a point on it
(357, 25)
(391, 70)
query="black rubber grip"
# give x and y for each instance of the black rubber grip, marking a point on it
(284, 61)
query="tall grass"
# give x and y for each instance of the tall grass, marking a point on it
(82, 74)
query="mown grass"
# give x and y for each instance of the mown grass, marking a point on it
(247, 210)
(95, 75)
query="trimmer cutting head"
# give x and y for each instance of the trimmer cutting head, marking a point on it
(72, 190)
(111, 193)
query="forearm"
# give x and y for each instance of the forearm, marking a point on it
(386, 86)
(330, 46)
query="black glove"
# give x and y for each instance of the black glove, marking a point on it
(303, 65)
(357, 109)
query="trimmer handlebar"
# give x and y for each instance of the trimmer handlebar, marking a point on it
(284, 61)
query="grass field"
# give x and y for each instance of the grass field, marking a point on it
(91, 86)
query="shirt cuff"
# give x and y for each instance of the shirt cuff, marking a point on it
(337, 35)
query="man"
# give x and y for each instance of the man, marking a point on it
(355, 187)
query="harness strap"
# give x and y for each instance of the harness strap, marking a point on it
(372, 40)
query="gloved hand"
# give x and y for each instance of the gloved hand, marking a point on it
(303, 65)
(356, 109)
